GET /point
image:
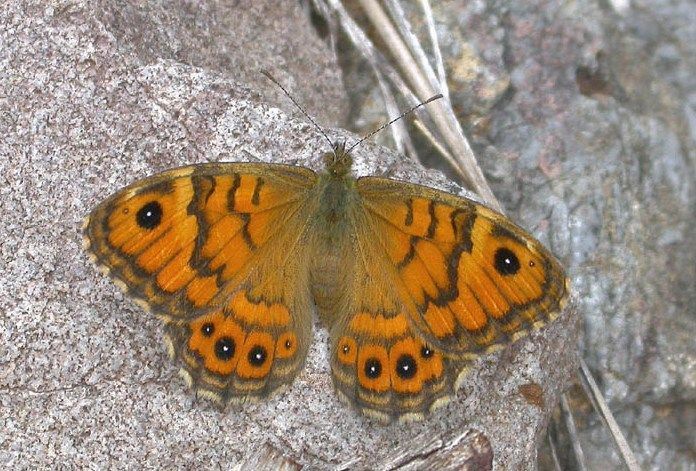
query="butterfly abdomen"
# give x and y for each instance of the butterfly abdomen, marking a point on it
(334, 233)
(328, 278)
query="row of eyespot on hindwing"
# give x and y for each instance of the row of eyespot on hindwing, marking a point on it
(404, 368)
(224, 347)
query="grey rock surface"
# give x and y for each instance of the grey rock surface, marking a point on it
(94, 98)
(238, 39)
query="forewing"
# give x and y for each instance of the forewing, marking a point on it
(180, 241)
(467, 276)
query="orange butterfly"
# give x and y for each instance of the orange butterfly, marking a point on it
(412, 283)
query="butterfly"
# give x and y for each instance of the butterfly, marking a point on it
(412, 283)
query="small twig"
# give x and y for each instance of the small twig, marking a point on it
(447, 124)
(573, 433)
(552, 446)
(372, 55)
(439, 63)
(442, 150)
(399, 132)
(601, 407)
(414, 45)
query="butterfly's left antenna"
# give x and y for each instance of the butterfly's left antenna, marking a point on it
(272, 79)
(405, 113)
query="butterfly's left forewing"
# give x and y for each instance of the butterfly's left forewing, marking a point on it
(472, 278)
(216, 251)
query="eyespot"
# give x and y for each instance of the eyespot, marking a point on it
(286, 346)
(224, 348)
(406, 366)
(257, 355)
(149, 215)
(506, 262)
(208, 329)
(426, 352)
(373, 368)
(258, 352)
(347, 351)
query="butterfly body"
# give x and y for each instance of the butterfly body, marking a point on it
(411, 282)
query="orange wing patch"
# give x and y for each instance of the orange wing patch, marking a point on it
(469, 278)
(236, 351)
(379, 325)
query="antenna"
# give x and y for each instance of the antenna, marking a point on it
(407, 112)
(272, 79)
(364, 138)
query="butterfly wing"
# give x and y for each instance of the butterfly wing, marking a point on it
(215, 251)
(379, 363)
(457, 279)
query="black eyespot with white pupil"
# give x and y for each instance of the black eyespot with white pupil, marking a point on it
(149, 215)
(346, 349)
(257, 355)
(207, 329)
(224, 348)
(506, 262)
(373, 368)
(426, 352)
(406, 366)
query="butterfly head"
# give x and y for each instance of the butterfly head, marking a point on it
(338, 162)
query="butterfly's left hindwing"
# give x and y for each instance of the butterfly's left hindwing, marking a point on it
(247, 349)
(199, 246)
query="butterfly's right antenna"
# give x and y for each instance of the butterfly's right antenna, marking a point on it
(272, 79)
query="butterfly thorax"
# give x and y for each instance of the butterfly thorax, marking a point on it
(337, 192)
